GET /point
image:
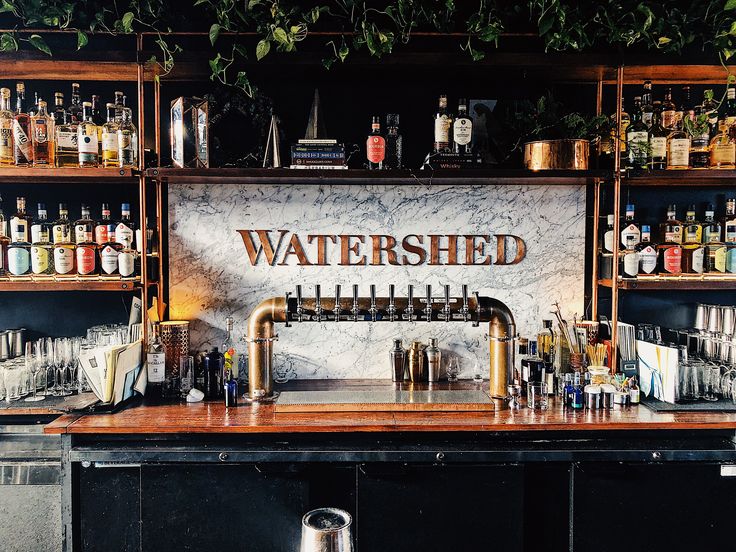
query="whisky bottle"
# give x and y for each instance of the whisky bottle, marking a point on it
(33, 110)
(87, 254)
(22, 147)
(699, 144)
(42, 137)
(85, 225)
(41, 248)
(629, 259)
(20, 223)
(375, 146)
(87, 142)
(67, 152)
(105, 227)
(4, 242)
(729, 221)
(711, 228)
(608, 235)
(41, 225)
(128, 140)
(442, 125)
(75, 108)
(647, 253)
(692, 230)
(693, 258)
(98, 119)
(669, 111)
(631, 227)
(125, 228)
(729, 107)
(19, 258)
(110, 139)
(155, 366)
(6, 129)
(127, 260)
(670, 231)
(637, 139)
(59, 113)
(710, 108)
(722, 149)
(647, 107)
(394, 143)
(669, 258)
(686, 109)
(61, 229)
(625, 122)
(462, 129)
(119, 104)
(64, 259)
(678, 150)
(658, 141)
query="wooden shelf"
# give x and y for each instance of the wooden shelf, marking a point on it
(689, 178)
(363, 176)
(71, 284)
(671, 283)
(29, 175)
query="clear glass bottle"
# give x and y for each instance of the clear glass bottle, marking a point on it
(42, 251)
(105, 227)
(4, 241)
(658, 141)
(711, 227)
(678, 150)
(375, 146)
(127, 259)
(6, 129)
(59, 113)
(41, 224)
(20, 223)
(22, 145)
(710, 108)
(229, 350)
(442, 126)
(686, 110)
(462, 129)
(108, 250)
(722, 149)
(65, 265)
(87, 142)
(125, 228)
(671, 229)
(630, 226)
(647, 252)
(86, 253)
(155, 366)
(119, 104)
(67, 152)
(608, 235)
(629, 259)
(729, 221)
(693, 230)
(19, 258)
(637, 139)
(42, 137)
(699, 143)
(128, 141)
(647, 105)
(85, 225)
(33, 110)
(75, 108)
(110, 139)
(61, 231)
(728, 108)
(669, 110)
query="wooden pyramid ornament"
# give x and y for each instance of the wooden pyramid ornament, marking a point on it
(272, 156)
(316, 125)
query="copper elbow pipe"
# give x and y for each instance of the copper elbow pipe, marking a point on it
(260, 336)
(501, 334)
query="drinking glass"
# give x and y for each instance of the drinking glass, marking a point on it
(13, 376)
(477, 372)
(60, 367)
(452, 368)
(70, 381)
(538, 396)
(32, 364)
(712, 382)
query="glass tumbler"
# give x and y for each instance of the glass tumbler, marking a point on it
(538, 396)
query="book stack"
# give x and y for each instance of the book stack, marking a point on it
(318, 153)
(435, 161)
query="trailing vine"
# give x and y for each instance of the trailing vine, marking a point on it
(380, 27)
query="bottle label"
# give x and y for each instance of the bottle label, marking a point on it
(631, 230)
(63, 260)
(608, 241)
(638, 143)
(647, 260)
(18, 229)
(87, 144)
(711, 235)
(126, 263)
(86, 257)
(124, 235)
(697, 263)
(658, 145)
(40, 131)
(21, 141)
(156, 367)
(631, 264)
(6, 140)
(462, 131)
(103, 233)
(646, 117)
(66, 140)
(730, 232)
(375, 149)
(731, 260)
(79, 231)
(669, 118)
(679, 152)
(694, 233)
(40, 260)
(19, 261)
(109, 259)
(672, 260)
(719, 259)
(441, 129)
(61, 233)
(110, 142)
(674, 235)
(38, 234)
(723, 154)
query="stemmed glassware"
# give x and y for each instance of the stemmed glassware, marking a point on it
(33, 365)
(60, 367)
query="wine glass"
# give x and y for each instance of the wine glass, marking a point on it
(48, 363)
(59, 368)
(453, 368)
(68, 354)
(477, 372)
(33, 365)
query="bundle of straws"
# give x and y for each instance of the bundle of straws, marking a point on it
(571, 337)
(596, 354)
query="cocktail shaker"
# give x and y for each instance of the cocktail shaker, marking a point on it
(433, 360)
(397, 359)
(416, 362)
(17, 340)
(327, 530)
(4, 345)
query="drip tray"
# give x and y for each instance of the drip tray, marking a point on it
(385, 400)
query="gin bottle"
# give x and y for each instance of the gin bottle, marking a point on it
(6, 129)
(87, 138)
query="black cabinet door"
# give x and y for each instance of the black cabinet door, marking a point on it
(236, 507)
(653, 507)
(434, 508)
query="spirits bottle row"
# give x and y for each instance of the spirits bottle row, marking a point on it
(683, 247)
(74, 135)
(61, 248)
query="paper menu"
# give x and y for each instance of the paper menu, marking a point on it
(658, 370)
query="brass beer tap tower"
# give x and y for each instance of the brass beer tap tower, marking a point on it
(475, 309)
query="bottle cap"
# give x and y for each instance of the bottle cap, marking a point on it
(41, 206)
(392, 120)
(86, 104)
(62, 206)
(125, 207)
(611, 219)
(645, 228)
(630, 207)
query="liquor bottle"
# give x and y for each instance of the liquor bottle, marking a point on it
(65, 258)
(629, 265)
(577, 402)
(110, 139)
(729, 107)
(67, 152)
(127, 261)
(61, 231)
(87, 142)
(42, 137)
(442, 125)
(647, 252)
(711, 227)
(729, 221)
(125, 228)
(669, 111)
(532, 368)
(630, 227)
(692, 231)
(637, 139)
(4, 242)
(522, 350)
(375, 146)
(647, 107)
(608, 235)
(87, 264)
(6, 129)
(59, 113)
(678, 150)
(658, 141)
(671, 229)
(33, 110)
(42, 251)
(699, 143)
(686, 110)
(669, 256)
(128, 140)
(119, 104)
(19, 256)
(710, 108)
(214, 363)
(84, 225)
(22, 146)
(20, 223)
(75, 108)
(566, 391)
(105, 227)
(229, 349)
(155, 366)
(462, 129)
(625, 122)
(546, 346)
(98, 117)
(722, 149)
(108, 251)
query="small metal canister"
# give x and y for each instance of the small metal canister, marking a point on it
(416, 362)
(4, 345)
(397, 358)
(593, 397)
(17, 340)
(433, 361)
(327, 530)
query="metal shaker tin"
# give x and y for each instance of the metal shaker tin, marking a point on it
(416, 362)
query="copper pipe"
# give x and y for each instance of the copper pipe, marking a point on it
(616, 220)
(261, 332)
(142, 188)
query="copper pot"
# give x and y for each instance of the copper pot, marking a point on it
(556, 154)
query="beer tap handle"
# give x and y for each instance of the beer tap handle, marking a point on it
(465, 309)
(410, 302)
(373, 309)
(428, 308)
(391, 303)
(447, 303)
(299, 308)
(286, 303)
(355, 302)
(318, 302)
(476, 322)
(337, 308)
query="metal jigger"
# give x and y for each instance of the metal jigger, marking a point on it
(272, 157)
(727, 321)
(514, 394)
(701, 317)
(714, 319)
(326, 530)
